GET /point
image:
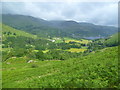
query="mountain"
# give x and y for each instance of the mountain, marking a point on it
(32, 25)
(62, 28)
(84, 29)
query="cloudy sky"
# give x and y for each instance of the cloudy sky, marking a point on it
(102, 13)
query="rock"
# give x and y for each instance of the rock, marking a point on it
(30, 61)
(13, 57)
(8, 63)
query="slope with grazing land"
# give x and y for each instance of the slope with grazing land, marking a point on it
(97, 70)
(8, 31)
(113, 40)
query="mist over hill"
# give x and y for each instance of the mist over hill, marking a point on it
(57, 28)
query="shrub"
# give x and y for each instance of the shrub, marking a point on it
(34, 66)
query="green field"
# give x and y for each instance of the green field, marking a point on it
(83, 41)
(45, 51)
(68, 40)
(76, 50)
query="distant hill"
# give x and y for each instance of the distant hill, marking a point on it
(84, 29)
(62, 28)
(32, 25)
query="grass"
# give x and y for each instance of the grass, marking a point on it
(76, 50)
(6, 49)
(83, 41)
(36, 50)
(6, 28)
(66, 38)
(113, 40)
(45, 51)
(97, 70)
(58, 41)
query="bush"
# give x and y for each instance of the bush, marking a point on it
(34, 66)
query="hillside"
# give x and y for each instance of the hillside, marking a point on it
(8, 31)
(113, 40)
(83, 72)
(84, 30)
(16, 43)
(63, 28)
(32, 25)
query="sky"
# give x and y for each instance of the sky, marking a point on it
(100, 13)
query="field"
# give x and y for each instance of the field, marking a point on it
(83, 41)
(45, 51)
(76, 50)
(68, 40)
(97, 70)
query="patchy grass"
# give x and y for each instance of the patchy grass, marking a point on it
(35, 50)
(45, 51)
(66, 38)
(6, 49)
(83, 41)
(76, 50)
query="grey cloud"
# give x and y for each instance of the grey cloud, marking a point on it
(103, 13)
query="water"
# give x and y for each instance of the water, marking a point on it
(93, 37)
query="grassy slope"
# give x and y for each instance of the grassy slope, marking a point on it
(113, 40)
(99, 69)
(6, 28)
(31, 25)
(76, 50)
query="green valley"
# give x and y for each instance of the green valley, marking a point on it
(55, 54)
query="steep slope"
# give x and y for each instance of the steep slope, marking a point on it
(13, 38)
(113, 40)
(63, 28)
(84, 72)
(32, 25)
(8, 31)
(84, 29)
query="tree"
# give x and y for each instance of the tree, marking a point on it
(14, 33)
(40, 55)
